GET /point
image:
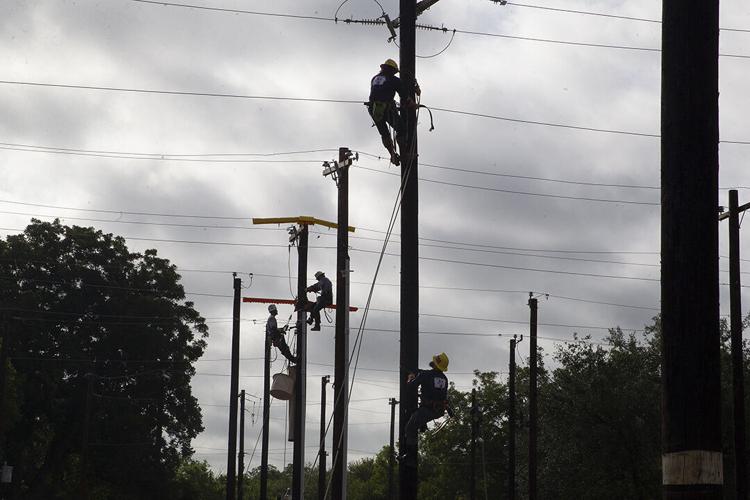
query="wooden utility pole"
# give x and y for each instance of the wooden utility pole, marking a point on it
(391, 449)
(691, 404)
(300, 383)
(266, 419)
(533, 415)
(341, 355)
(322, 451)
(409, 324)
(241, 453)
(738, 368)
(512, 421)
(474, 432)
(233, 389)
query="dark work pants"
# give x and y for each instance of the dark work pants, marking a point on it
(279, 342)
(419, 418)
(319, 305)
(390, 118)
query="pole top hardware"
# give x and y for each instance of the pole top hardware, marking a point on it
(332, 167)
(302, 220)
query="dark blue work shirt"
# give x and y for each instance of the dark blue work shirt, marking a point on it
(325, 287)
(384, 87)
(434, 385)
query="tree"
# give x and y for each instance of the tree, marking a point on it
(97, 335)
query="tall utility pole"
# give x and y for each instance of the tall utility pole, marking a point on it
(391, 450)
(738, 369)
(266, 419)
(474, 432)
(532, 396)
(341, 355)
(691, 405)
(241, 453)
(409, 336)
(300, 383)
(233, 389)
(512, 420)
(322, 452)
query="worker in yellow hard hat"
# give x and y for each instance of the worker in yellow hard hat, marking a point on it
(382, 107)
(433, 385)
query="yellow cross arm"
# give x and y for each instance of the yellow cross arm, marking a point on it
(304, 220)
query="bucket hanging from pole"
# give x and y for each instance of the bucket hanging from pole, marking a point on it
(282, 386)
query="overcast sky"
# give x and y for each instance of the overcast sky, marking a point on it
(496, 220)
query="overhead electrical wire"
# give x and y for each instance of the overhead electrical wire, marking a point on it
(335, 101)
(602, 14)
(180, 157)
(468, 32)
(176, 215)
(524, 193)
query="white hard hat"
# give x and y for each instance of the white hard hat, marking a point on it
(272, 308)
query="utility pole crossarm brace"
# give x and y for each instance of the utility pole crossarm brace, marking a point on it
(740, 209)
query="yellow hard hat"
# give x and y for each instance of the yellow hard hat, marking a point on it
(440, 361)
(391, 63)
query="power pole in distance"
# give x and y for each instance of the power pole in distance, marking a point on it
(532, 396)
(340, 173)
(233, 389)
(691, 398)
(474, 432)
(409, 321)
(391, 450)
(241, 454)
(322, 452)
(738, 371)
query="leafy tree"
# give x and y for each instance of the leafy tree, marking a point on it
(102, 336)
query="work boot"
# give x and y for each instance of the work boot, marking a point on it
(316, 328)
(395, 159)
(310, 321)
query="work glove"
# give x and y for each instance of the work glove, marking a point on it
(417, 90)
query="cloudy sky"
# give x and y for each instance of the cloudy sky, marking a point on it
(568, 212)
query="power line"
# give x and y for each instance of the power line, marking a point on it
(324, 100)
(612, 16)
(525, 193)
(435, 28)
(466, 248)
(524, 177)
(125, 212)
(191, 157)
(519, 268)
(154, 158)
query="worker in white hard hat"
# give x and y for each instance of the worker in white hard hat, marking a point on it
(276, 334)
(325, 299)
(382, 107)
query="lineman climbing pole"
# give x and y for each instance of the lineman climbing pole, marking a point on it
(409, 336)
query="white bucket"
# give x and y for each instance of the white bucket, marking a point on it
(282, 386)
